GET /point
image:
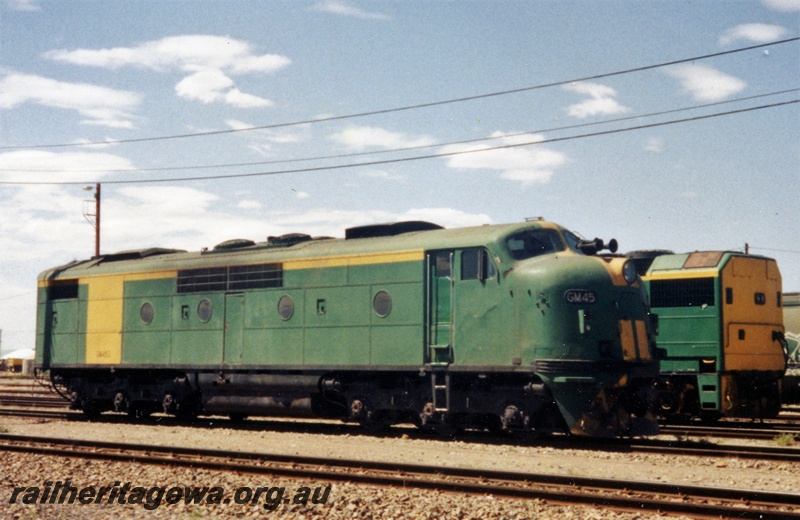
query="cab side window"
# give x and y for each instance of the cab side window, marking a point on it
(443, 268)
(476, 265)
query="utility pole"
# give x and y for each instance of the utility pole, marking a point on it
(96, 222)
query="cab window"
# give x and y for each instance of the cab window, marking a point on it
(476, 265)
(572, 242)
(534, 242)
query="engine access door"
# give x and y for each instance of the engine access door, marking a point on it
(234, 329)
(440, 307)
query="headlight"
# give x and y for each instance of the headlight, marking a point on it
(629, 272)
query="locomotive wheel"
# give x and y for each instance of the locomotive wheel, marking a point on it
(669, 399)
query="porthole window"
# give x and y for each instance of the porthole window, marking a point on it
(204, 311)
(286, 307)
(382, 303)
(146, 313)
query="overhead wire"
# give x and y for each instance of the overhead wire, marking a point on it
(796, 252)
(408, 107)
(403, 149)
(407, 159)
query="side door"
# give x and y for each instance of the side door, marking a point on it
(440, 307)
(234, 329)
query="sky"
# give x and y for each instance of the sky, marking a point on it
(665, 125)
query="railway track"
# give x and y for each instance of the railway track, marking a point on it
(28, 392)
(764, 431)
(681, 446)
(640, 496)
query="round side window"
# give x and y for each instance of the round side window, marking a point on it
(204, 311)
(382, 303)
(286, 307)
(146, 313)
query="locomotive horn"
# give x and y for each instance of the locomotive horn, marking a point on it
(591, 247)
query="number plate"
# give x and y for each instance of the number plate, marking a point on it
(580, 296)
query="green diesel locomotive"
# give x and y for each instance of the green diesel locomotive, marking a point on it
(720, 323)
(520, 327)
(790, 387)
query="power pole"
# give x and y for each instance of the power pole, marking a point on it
(96, 222)
(97, 218)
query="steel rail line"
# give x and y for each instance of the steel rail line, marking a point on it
(684, 447)
(626, 495)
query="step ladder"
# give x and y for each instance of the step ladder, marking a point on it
(441, 355)
(440, 390)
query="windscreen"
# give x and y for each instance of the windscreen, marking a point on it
(534, 242)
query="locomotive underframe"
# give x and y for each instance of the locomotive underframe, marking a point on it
(741, 394)
(429, 397)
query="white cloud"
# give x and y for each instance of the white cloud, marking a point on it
(249, 204)
(705, 83)
(342, 9)
(301, 194)
(782, 5)
(239, 99)
(210, 60)
(263, 139)
(24, 5)
(363, 137)
(206, 85)
(602, 100)
(524, 164)
(753, 32)
(100, 105)
(446, 217)
(40, 165)
(332, 222)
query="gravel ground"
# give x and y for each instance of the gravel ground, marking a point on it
(345, 500)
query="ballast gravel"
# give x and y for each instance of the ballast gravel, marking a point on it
(343, 500)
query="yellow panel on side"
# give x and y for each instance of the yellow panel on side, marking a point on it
(104, 320)
(627, 339)
(642, 345)
(361, 259)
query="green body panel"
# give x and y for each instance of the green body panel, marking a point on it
(234, 330)
(688, 332)
(482, 328)
(194, 341)
(791, 320)
(197, 347)
(61, 329)
(549, 326)
(337, 346)
(150, 348)
(396, 345)
(274, 346)
(709, 388)
(331, 325)
(270, 340)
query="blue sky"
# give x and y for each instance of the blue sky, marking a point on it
(114, 83)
